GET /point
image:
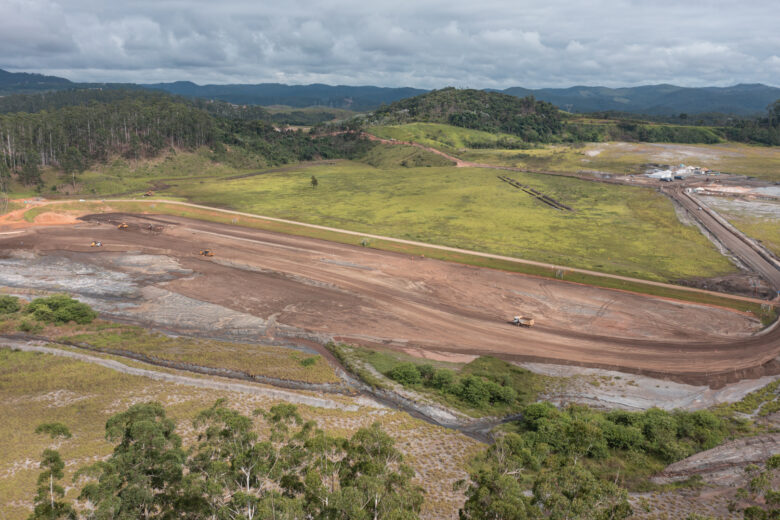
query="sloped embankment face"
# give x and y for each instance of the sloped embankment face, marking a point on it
(125, 286)
(724, 465)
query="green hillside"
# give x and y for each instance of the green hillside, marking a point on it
(479, 110)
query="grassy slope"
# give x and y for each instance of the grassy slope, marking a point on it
(758, 161)
(255, 360)
(440, 136)
(631, 231)
(120, 176)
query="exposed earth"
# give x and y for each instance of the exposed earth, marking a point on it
(296, 289)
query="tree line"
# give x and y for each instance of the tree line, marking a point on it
(297, 471)
(72, 130)
(73, 137)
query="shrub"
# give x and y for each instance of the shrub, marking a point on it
(623, 437)
(426, 371)
(60, 308)
(308, 362)
(534, 413)
(502, 394)
(9, 304)
(443, 379)
(43, 313)
(474, 390)
(406, 374)
(30, 327)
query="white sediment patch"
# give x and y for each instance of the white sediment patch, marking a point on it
(618, 390)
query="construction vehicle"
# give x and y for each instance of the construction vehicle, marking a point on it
(123, 226)
(148, 193)
(95, 243)
(523, 321)
(206, 252)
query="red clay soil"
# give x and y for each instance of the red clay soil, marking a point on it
(428, 307)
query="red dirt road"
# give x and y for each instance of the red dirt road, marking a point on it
(427, 306)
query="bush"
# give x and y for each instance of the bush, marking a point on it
(426, 372)
(502, 394)
(43, 313)
(61, 308)
(30, 327)
(474, 390)
(623, 437)
(308, 362)
(9, 304)
(406, 374)
(443, 379)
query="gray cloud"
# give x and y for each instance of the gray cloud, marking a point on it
(402, 43)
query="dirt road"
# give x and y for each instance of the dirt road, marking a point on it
(426, 307)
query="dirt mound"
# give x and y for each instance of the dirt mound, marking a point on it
(743, 284)
(51, 218)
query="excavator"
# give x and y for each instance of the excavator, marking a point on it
(206, 252)
(148, 193)
(95, 243)
(123, 226)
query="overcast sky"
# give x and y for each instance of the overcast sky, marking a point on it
(423, 43)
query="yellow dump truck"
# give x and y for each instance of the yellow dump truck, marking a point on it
(523, 321)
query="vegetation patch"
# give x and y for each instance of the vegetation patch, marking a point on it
(485, 386)
(253, 360)
(761, 402)
(60, 309)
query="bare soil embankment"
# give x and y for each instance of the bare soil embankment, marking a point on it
(293, 288)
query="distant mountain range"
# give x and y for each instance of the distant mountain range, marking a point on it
(740, 99)
(650, 99)
(353, 98)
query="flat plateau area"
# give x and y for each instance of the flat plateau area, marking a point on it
(310, 289)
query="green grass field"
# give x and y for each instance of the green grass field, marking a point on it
(615, 229)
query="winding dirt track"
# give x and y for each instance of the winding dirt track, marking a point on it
(430, 308)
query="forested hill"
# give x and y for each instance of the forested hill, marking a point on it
(19, 82)
(477, 109)
(73, 130)
(54, 100)
(266, 94)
